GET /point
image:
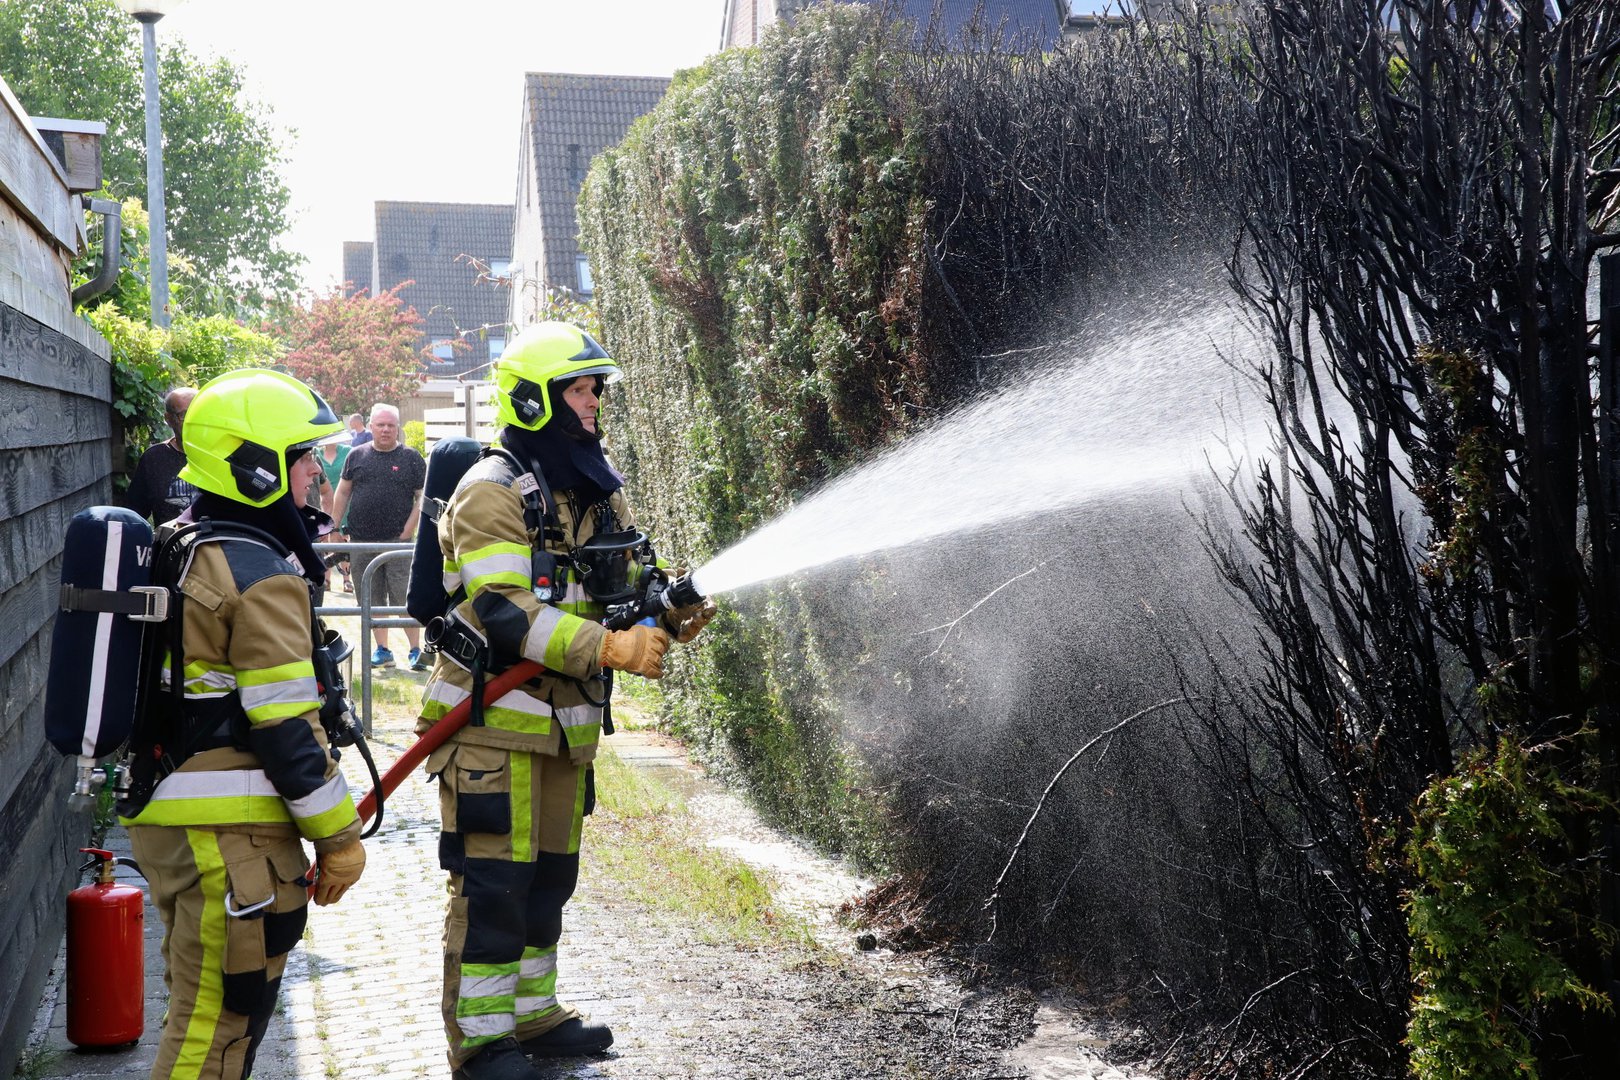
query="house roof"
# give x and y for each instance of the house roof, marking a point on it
(1041, 18)
(742, 20)
(421, 242)
(357, 255)
(571, 119)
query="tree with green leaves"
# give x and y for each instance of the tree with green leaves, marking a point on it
(227, 203)
(148, 361)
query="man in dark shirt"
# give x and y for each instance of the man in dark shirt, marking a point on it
(381, 492)
(156, 491)
(358, 435)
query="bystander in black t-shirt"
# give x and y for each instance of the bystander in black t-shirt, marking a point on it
(382, 490)
(155, 488)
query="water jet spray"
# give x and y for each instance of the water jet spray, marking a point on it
(1138, 411)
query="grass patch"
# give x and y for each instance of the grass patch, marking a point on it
(394, 690)
(35, 1062)
(630, 794)
(637, 702)
(646, 841)
(104, 815)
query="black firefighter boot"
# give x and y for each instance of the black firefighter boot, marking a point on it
(500, 1060)
(574, 1037)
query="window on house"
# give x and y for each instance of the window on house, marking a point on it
(582, 265)
(576, 167)
(499, 268)
(443, 350)
(497, 345)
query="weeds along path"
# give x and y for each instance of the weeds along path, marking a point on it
(706, 940)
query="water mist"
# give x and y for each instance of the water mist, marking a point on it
(1143, 404)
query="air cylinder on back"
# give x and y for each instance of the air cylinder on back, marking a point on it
(446, 464)
(93, 681)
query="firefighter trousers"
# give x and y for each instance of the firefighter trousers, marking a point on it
(511, 823)
(233, 905)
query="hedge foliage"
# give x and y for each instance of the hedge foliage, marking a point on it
(813, 247)
(1492, 852)
(758, 246)
(809, 250)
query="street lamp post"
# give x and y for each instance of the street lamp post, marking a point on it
(147, 13)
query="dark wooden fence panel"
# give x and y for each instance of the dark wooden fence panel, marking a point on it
(55, 426)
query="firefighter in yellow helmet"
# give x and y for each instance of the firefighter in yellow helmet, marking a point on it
(233, 767)
(516, 783)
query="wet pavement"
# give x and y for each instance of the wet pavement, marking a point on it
(360, 997)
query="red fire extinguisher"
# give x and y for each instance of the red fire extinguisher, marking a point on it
(106, 972)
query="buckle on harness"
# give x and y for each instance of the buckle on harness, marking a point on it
(157, 603)
(142, 603)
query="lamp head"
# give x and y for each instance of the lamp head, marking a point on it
(147, 11)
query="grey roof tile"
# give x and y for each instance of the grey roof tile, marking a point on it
(357, 257)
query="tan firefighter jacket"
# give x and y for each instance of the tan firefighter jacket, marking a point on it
(250, 690)
(487, 550)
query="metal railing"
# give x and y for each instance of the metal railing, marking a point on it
(371, 618)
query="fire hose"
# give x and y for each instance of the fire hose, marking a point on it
(435, 736)
(660, 595)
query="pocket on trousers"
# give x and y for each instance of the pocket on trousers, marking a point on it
(483, 789)
(438, 759)
(249, 896)
(284, 924)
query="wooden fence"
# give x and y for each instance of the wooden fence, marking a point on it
(56, 437)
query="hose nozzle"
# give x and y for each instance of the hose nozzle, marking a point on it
(677, 594)
(682, 592)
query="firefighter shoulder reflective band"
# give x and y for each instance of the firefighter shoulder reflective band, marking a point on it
(107, 600)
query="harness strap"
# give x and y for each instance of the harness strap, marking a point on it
(142, 603)
(539, 505)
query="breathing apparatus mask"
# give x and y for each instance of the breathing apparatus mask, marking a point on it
(603, 564)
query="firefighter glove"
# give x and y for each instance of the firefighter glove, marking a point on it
(638, 650)
(339, 869)
(685, 623)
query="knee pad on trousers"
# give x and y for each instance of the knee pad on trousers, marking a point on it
(554, 882)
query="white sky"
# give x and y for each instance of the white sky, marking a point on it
(416, 100)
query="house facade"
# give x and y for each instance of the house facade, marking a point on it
(455, 258)
(567, 120)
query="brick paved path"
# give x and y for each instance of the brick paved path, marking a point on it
(360, 998)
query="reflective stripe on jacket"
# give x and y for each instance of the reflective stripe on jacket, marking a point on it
(247, 670)
(486, 550)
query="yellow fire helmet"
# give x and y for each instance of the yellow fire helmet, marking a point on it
(539, 355)
(240, 428)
